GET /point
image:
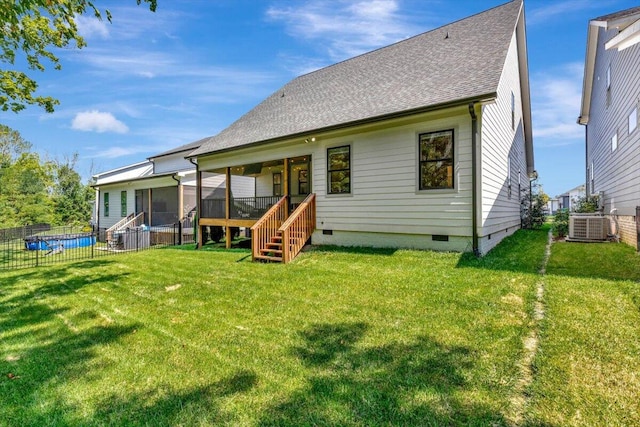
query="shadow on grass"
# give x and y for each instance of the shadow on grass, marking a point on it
(51, 276)
(418, 383)
(199, 406)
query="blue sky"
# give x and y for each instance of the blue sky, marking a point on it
(149, 82)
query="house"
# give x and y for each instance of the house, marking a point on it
(568, 200)
(552, 206)
(425, 143)
(160, 190)
(609, 110)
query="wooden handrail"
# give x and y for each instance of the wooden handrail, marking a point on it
(297, 229)
(135, 221)
(119, 224)
(267, 226)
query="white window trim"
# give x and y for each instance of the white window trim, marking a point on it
(633, 120)
(614, 142)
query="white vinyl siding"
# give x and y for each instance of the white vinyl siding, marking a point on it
(615, 173)
(502, 156)
(384, 194)
(172, 163)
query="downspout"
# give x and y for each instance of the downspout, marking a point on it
(474, 177)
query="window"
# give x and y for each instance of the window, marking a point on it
(614, 142)
(106, 204)
(123, 203)
(339, 170)
(591, 179)
(436, 160)
(277, 184)
(633, 120)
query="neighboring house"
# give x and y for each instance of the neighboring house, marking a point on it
(162, 188)
(568, 200)
(552, 206)
(610, 101)
(425, 143)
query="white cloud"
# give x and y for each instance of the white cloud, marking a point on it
(115, 152)
(97, 121)
(348, 28)
(560, 9)
(556, 98)
(90, 26)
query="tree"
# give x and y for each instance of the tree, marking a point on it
(35, 27)
(25, 189)
(533, 207)
(72, 199)
(11, 145)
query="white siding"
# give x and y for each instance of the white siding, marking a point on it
(172, 163)
(130, 187)
(502, 145)
(136, 171)
(616, 173)
(384, 181)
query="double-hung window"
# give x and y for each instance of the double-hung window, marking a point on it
(123, 203)
(436, 160)
(339, 170)
(106, 204)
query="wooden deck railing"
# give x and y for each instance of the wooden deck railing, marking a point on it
(267, 227)
(297, 229)
(135, 221)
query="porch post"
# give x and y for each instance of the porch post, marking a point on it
(150, 211)
(285, 187)
(180, 201)
(227, 230)
(198, 206)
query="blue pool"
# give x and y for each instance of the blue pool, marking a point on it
(66, 241)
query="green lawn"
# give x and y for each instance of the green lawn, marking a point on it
(348, 337)
(588, 369)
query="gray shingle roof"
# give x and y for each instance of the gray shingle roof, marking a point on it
(617, 15)
(459, 61)
(186, 147)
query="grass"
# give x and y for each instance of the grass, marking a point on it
(341, 336)
(588, 370)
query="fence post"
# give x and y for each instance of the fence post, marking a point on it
(137, 237)
(37, 251)
(179, 232)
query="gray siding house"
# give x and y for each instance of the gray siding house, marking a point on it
(609, 110)
(425, 143)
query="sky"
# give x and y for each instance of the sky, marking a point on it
(149, 82)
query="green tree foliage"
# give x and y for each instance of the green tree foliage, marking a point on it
(561, 223)
(533, 208)
(11, 145)
(25, 192)
(33, 28)
(586, 204)
(71, 198)
(34, 191)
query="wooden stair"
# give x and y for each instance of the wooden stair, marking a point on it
(278, 238)
(272, 250)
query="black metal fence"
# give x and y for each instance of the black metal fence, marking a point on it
(34, 246)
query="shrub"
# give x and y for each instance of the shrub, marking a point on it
(560, 224)
(586, 204)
